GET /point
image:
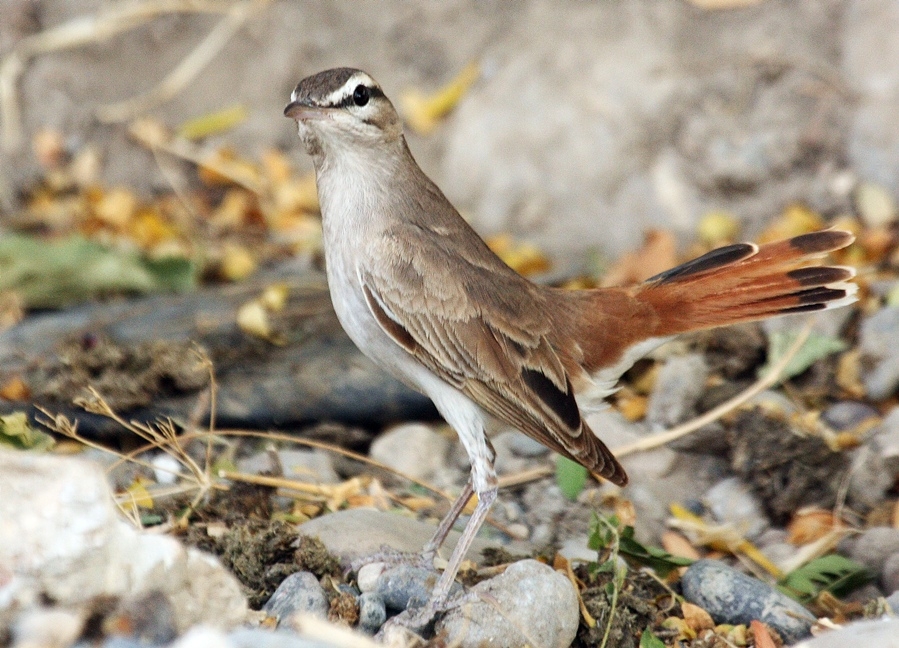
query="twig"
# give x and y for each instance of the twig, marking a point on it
(763, 383)
(186, 71)
(74, 33)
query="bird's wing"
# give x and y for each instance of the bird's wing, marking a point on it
(482, 329)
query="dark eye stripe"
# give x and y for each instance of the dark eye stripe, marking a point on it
(347, 101)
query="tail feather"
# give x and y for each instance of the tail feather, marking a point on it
(745, 282)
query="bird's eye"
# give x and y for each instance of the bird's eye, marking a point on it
(361, 95)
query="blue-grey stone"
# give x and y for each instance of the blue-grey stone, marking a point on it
(299, 592)
(847, 415)
(372, 612)
(405, 586)
(733, 597)
(877, 633)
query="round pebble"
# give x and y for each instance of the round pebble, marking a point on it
(372, 612)
(299, 592)
(874, 546)
(734, 598)
(403, 586)
(529, 597)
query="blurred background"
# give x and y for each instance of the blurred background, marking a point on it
(577, 125)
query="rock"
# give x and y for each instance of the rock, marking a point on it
(731, 501)
(402, 586)
(299, 592)
(879, 633)
(889, 576)
(372, 612)
(869, 478)
(360, 532)
(893, 601)
(413, 449)
(733, 597)
(528, 604)
(62, 538)
(885, 439)
(678, 387)
(42, 626)
(524, 446)
(846, 415)
(874, 546)
(577, 549)
(304, 465)
(150, 618)
(878, 350)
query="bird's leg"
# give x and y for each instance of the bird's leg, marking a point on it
(429, 552)
(446, 524)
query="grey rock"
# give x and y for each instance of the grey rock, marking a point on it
(372, 612)
(44, 626)
(413, 449)
(889, 577)
(528, 604)
(879, 351)
(869, 477)
(361, 532)
(733, 597)
(846, 415)
(524, 446)
(678, 387)
(305, 465)
(893, 601)
(62, 538)
(875, 546)
(731, 501)
(402, 586)
(885, 440)
(299, 592)
(879, 633)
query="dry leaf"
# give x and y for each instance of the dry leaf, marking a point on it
(15, 389)
(718, 228)
(812, 524)
(213, 123)
(252, 318)
(697, 618)
(525, 258)
(795, 220)
(237, 263)
(761, 635)
(678, 545)
(423, 112)
(657, 254)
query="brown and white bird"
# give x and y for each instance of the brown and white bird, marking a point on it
(423, 296)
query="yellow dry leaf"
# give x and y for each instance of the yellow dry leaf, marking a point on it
(795, 220)
(525, 258)
(678, 545)
(849, 373)
(274, 297)
(49, 148)
(697, 618)
(15, 389)
(299, 194)
(417, 503)
(718, 228)
(632, 406)
(213, 123)
(237, 263)
(224, 167)
(276, 166)
(253, 319)
(138, 495)
(149, 229)
(423, 112)
(232, 211)
(657, 254)
(116, 207)
(684, 631)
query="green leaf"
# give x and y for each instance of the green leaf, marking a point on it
(832, 573)
(656, 558)
(649, 640)
(817, 346)
(570, 477)
(53, 274)
(16, 432)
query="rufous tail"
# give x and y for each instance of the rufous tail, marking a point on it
(746, 282)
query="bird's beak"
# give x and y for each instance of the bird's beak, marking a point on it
(299, 111)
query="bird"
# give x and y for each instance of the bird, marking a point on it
(422, 295)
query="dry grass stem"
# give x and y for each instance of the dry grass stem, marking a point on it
(114, 19)
(768, 380)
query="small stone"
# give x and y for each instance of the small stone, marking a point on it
(576, 549)
(306, 465)
(40, 626)
(403, 586)
(678, 387)
(524, 446)
(733, 597)
(885, 439)
(372, 612)
(368, 574)
(204, 637)
(299, 592)
(529, 596)
(878, 349)
(413, 449)
(847, 415)
(877, 633)
(890, 575)
(869, 477)
(875, 546)
(893, 601)
(732, 502)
